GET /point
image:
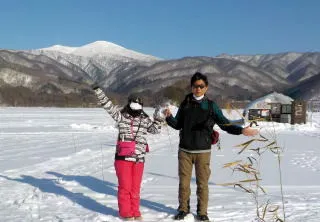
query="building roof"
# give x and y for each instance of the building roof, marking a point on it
(264, 102)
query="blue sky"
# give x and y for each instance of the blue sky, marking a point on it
(164, 28)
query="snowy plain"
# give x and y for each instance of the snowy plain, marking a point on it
(56, 164)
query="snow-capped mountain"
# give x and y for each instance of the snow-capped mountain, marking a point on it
(59, 48)
(100, 49)
(56, 69)
(63, 70)
(98, 59)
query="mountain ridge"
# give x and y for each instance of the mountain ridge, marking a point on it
(123, 71)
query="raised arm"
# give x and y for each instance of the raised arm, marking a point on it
(106, 103)
(154, 126)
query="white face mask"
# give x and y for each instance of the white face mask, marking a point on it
(135, 106)
(198, 97)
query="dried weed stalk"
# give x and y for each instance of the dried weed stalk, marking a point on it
(250, 169)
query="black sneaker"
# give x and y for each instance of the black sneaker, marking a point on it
(204, 218)
(180, 215)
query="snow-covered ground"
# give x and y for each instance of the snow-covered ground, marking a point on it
(57, 165)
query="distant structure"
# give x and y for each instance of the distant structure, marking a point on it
(278, 108)
(314, 106)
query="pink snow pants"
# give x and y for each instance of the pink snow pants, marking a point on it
(129, 182)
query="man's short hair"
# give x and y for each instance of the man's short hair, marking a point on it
(199, 76)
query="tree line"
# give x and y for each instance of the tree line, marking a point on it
(175, 93)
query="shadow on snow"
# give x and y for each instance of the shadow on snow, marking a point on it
(104, 187)
(50, 186)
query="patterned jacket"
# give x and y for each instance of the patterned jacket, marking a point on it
(129, 127)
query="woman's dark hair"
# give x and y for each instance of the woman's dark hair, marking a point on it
(137, 99)
(199, 76)
(127, 109)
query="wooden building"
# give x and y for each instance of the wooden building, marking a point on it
(272, 107)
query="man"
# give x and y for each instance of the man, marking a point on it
(195, 120)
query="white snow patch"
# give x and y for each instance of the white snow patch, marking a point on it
(57, 165)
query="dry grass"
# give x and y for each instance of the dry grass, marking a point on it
(249, 169)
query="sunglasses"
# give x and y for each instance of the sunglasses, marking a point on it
(198, 86)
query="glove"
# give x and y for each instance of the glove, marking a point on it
(157, 115)
(95, 86)
(98, 91)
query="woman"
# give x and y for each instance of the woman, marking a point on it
(132, 146)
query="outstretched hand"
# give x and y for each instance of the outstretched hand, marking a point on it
(167, 112)
(157, 114)
(248, 131)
